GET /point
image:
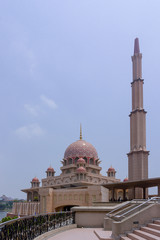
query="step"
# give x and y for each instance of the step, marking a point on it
(153, 225)
(157, 221)
(125, 238)
(103, 235)
(134, 236)
(146, 235)
(151, 231)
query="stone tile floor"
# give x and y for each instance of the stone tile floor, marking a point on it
(81, 234)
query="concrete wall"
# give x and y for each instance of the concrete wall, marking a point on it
(91, 216)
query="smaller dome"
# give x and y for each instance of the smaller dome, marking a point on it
(125, 180)
(81, 170)
(81, 160)
(35, 179)
(111, 169)
(50, 169)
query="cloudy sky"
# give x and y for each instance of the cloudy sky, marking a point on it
(66, 62)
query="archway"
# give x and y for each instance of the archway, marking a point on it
(65, 208)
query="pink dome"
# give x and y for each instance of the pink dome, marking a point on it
(81, 170)
(50, 169)
(111, 169)
(80, 149)
(125, 180)
(35, 179)
(81, 160)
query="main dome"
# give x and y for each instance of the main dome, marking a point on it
(80, 148)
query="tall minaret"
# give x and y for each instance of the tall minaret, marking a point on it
(138, 155)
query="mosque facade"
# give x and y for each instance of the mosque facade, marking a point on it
(80, 182)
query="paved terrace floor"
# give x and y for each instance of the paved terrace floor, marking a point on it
(82, 234)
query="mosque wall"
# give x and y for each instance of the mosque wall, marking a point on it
(56, 199)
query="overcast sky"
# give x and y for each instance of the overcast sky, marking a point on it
(66, 62)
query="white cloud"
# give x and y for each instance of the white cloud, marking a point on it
(49, 102)
(29, 131)
(32, 110)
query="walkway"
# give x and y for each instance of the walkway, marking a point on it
(81, 234)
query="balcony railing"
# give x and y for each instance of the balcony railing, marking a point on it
(134, 206)
(27, 228)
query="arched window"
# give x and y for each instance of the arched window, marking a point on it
(91, 161)
(85, 159)
(70, 161)
(76, 159)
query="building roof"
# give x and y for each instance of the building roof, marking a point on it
(50, 169)
(35, 179)
(81, 170)
(79, 149)
(111, 169)
(81, 160)
(145, 183)
(125, 180)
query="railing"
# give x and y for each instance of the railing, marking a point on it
(131, 207)
(27, 228)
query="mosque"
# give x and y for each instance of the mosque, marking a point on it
(80, 182)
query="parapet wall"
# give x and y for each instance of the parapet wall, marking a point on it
(25, 209)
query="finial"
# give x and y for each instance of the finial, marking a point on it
(80, 132)
(136, 46)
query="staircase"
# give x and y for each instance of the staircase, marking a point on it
(129, 208)
(133, 214)
(150, 232)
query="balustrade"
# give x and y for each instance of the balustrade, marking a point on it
(27, 228)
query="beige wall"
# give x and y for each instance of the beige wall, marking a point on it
(55, 199)
(90, 216)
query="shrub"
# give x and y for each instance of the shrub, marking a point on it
(5, 219)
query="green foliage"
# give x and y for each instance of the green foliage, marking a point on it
(6, 205)
(35, 199)
(2, 206)
(5, 219)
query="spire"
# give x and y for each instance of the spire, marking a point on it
(137, 62)
(136, 46)
(80, 132)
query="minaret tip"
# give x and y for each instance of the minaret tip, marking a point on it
(136, 46)
(80, 132)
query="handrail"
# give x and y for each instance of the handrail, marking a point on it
(149, 200)
(127, 203)
(133, 209)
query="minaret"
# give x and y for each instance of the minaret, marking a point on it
(138, 155)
